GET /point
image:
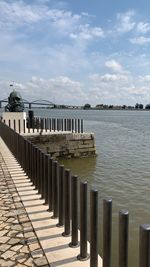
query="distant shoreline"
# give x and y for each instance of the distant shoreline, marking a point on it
(109, 109)
(86, 109)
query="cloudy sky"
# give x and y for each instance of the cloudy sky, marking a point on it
(76, 52)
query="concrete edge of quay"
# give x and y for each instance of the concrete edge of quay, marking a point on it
(64, 144)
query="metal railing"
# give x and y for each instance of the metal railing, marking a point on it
(55, 124)
(38, 124)
(61, 192)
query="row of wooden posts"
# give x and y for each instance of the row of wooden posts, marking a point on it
(69, 203)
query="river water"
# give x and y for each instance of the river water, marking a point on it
(121, 169)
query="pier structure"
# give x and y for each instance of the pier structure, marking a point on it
(58, 137)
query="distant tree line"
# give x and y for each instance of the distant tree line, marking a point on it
(104, 106)
(138, 106)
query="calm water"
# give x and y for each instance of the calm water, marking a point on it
(121, 169)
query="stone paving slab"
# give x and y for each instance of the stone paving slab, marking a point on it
(30, 236)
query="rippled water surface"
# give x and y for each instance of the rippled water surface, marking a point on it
(121, 169)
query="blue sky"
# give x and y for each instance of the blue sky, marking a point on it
(76, 52)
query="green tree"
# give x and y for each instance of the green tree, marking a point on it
(147, 106)
(87, 106)
(139, 106)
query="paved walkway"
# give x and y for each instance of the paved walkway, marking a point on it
(28, 234)
(19, 245)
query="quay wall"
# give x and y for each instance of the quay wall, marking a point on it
(66, 145)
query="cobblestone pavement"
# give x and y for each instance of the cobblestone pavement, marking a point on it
(19, 245)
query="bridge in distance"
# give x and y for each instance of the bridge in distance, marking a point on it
(40, 103)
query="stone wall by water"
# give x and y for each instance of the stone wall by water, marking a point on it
(68, 145)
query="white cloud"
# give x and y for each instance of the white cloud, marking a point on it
(145, 78)
(125, 21)
(109, 77)
(113, 65)
(35, 40)
(143, 27)
(141, 40)
(120, 89)
(16, 14)
(19, 12)
(107, 89)
(60, 90)
(64, 47)
(86, 32)
(52, 90)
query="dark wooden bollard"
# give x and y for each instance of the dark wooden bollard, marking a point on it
(94, 228)
(83, 222)
(144, 260)
(74, 208)
(61, 196)
(107, 228)
(50, 183)
(67, 207)
(123, 238)
(46, 177)
(55, 190)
